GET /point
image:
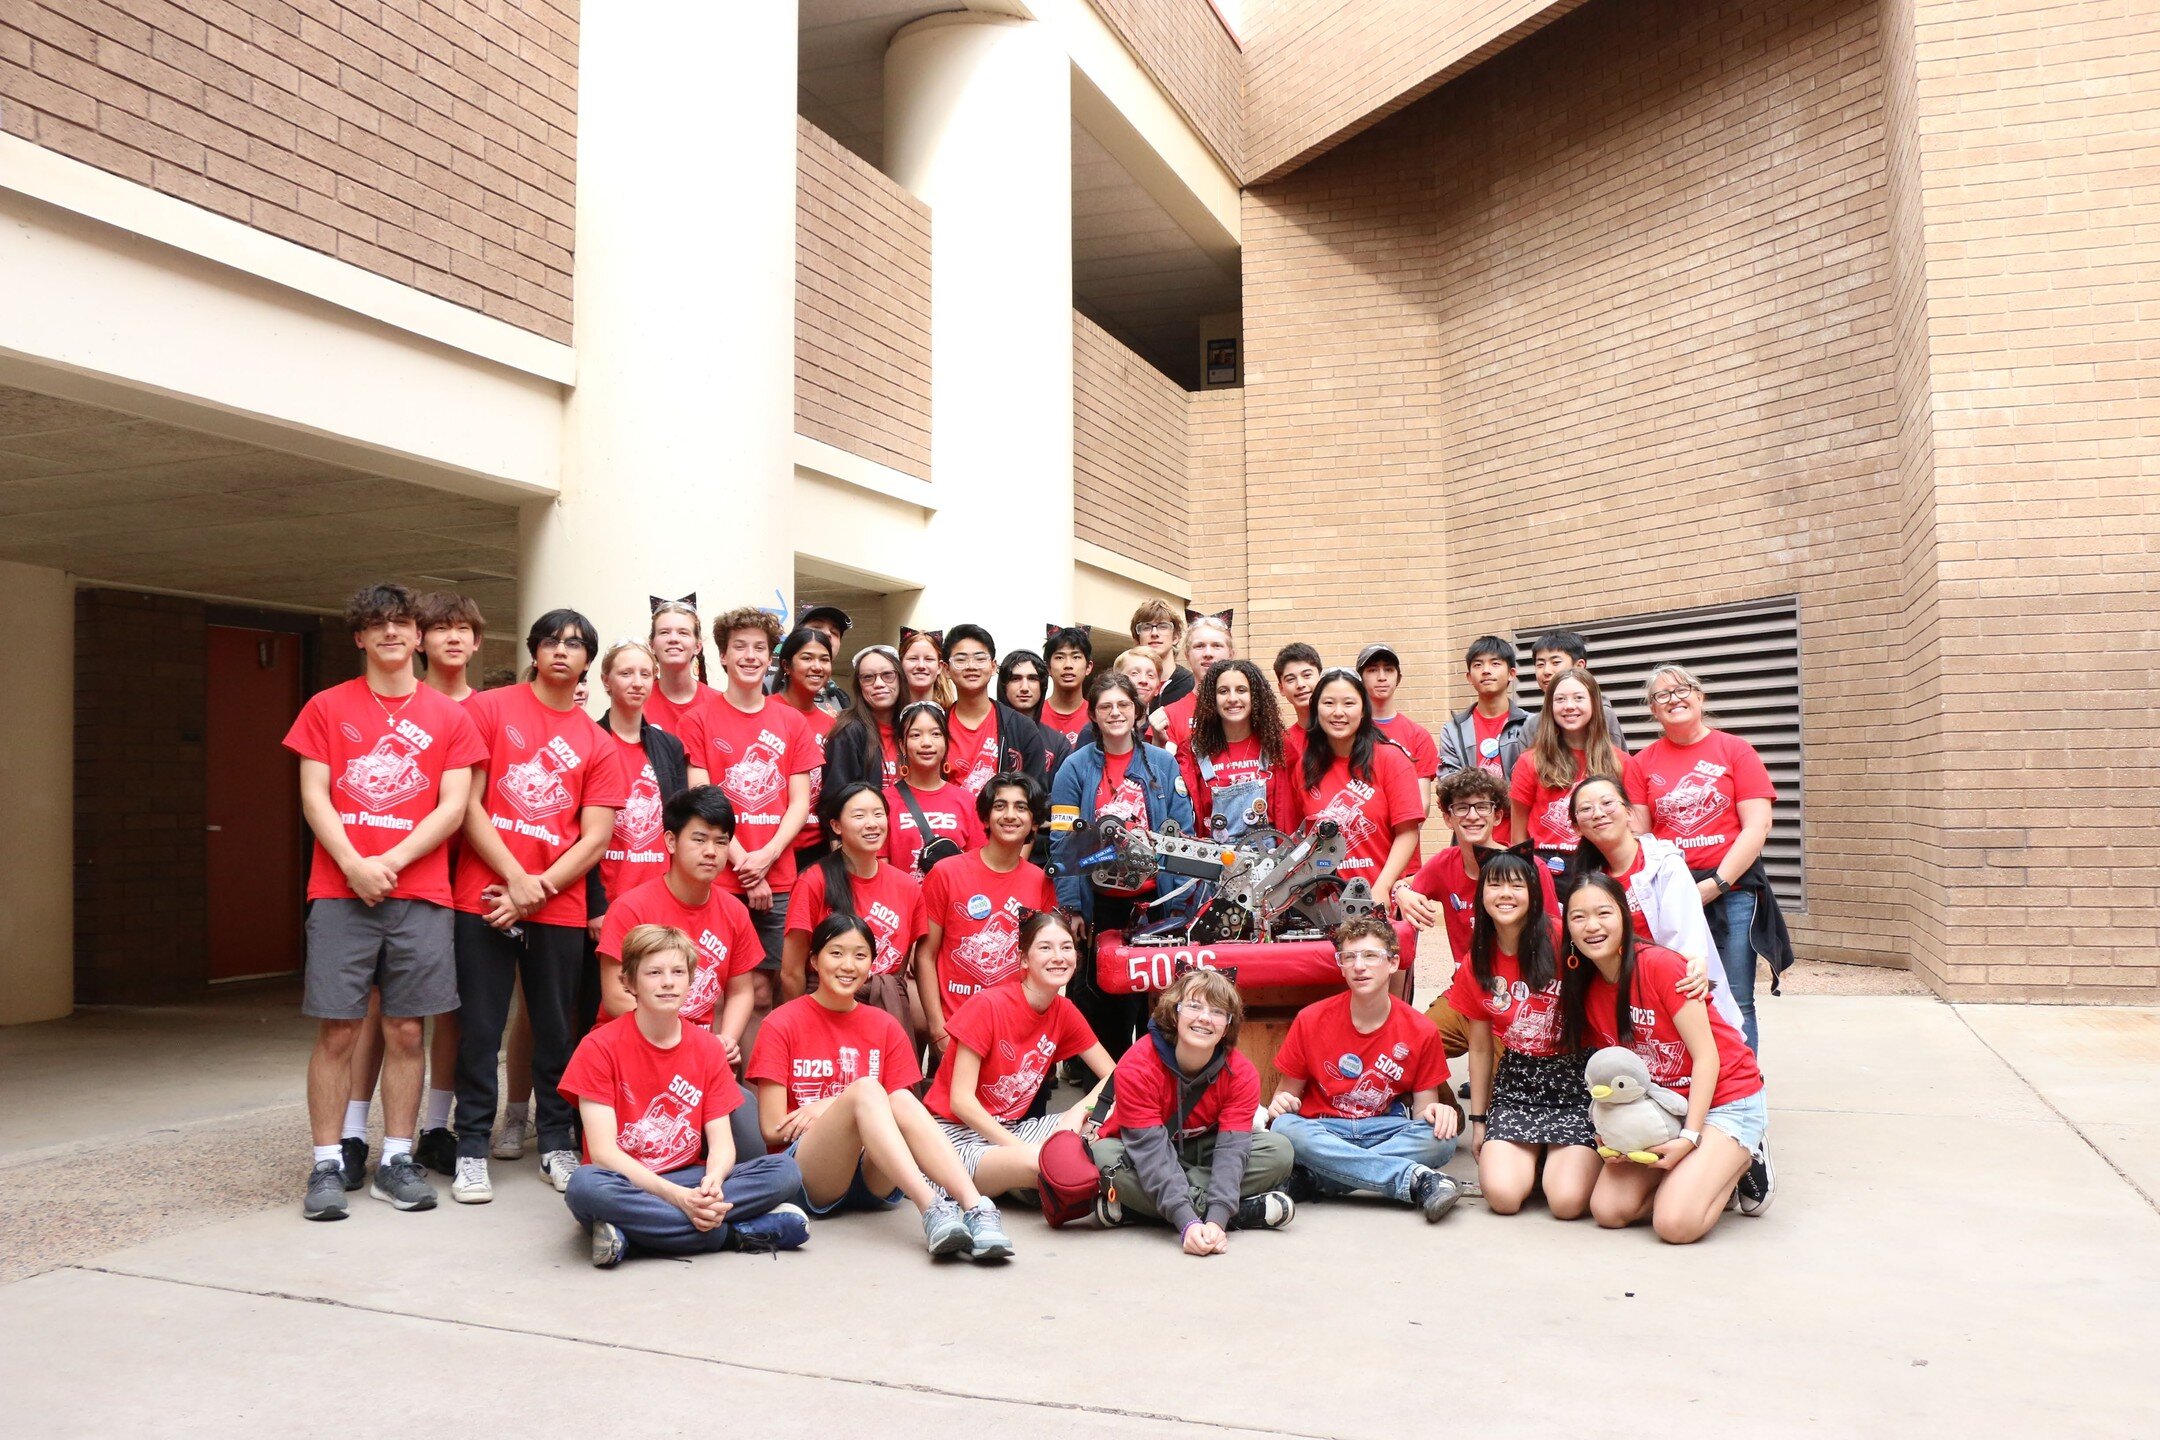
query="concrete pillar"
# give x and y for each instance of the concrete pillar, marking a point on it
(37, 774)
(978, 124)
(678, 437)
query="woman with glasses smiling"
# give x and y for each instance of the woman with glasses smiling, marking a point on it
(863, 745)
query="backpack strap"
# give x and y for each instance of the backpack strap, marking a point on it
(922, 821)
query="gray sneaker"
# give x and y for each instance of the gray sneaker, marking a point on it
(1434, 1193)
(945, 1229)
(399, 1181)
(608, 1246)
(986, 1233)
(325, 1192)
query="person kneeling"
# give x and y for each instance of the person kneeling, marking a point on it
(1363, 1076)
(1179, 1144)
(833, 1079)
(643, 1184)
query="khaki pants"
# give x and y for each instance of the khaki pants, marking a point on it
(1267, 1166)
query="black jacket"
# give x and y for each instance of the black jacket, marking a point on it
(671, 771)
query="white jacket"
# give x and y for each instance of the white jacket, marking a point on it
(1665, 893)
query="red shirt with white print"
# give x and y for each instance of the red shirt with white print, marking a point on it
(1415, 738)
(662, 1099)
(1018, 1045)
(672, 717)
(1350, 1075)
(1637, 920)
(727, 943)
(1522, 1019)
(975, 752)
(386, 760)
(1550, 824)
(949, 811)
(1069, 726)
(1442, 879)
(543, 767)
(889, 902)
(978, 911)
(752, 756)
(1178, 722)
(819, 722)
(816, 1053)
(1694, 792)
(1239, 762)
(1118, 793)
(1368, 811)
(636, 851)
(1657, 998)
(1147, 1095)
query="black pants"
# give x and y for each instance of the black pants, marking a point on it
(550, 959)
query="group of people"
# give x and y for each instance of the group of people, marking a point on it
(774, 948)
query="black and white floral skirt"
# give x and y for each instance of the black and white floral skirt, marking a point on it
(1540, 1100)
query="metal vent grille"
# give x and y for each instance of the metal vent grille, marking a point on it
(1748, 658)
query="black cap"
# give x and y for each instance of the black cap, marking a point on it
(1371, 653)
(830, 612)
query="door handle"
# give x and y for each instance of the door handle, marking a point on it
(213, 828)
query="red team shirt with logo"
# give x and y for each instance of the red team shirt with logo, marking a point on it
(978, 911)
(1018, 1046)
(1522, 1019)
(1658, 973)
(1694, 792)
(815, 1053)
(1147, 1096)
(663, 1099)
(1353, 1076)
(636, 851)
(1637, 920)
(889, 902)
(1240, 761)
(1547, 805)
(950, 811)
(1069, 726)
(973, 758)
(543, 767)
(386, 760)
(819, 722)
(1441, 879)
(1118, 793)
(672, 717)
(1415, 738)
(727, 942)
(1368, 813)
(752, 757)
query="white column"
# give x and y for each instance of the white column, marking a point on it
(978, 124)
(37, 774)
(677, 439)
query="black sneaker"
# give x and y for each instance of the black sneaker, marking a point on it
(399, 1181)
(1301, 1187)
(1270, 1211)
(325, 1192)
(355, 1152)
(784, 1227)
(437, 1150)
(1759, 1186)
(1434, 1194)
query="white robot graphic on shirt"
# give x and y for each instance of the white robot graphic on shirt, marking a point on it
(755, 780)
(1346, 811)
(386, 776)
(992, 952)
(712, 973)
(1692, 804)
(1559, 822)
(638, 822)
(662, 1133)
(1374, 1091)
(1019, 1086)
(534, 786)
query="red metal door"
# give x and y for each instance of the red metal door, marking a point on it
(256, 864)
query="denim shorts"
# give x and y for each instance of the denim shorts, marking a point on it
(859, 1195)
(1747, 1120)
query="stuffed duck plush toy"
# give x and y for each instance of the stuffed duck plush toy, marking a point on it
(1632, 1115)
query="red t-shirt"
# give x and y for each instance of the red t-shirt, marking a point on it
(752, 757)
(386, 760)
(1018, 1046)
(1118, 793)
(1353, 1076)
(950, 811)
(671, 717)
(1368, 812)
(1694, 792)
(1239, 763)
(1637, 920)
(1547, 805)
(1415, 738)
(1147, 1095)
(889, 902)
(727, 942)
(1522, 1020)
(978, 911)
(817, 1053)
(1178, 722)
(1487, 733)
(819, 722)
(1657, 999)
(543, 767)
(663, 1099)
(1069, 726)
(973, 758)
(635, 850)
(1441, 878)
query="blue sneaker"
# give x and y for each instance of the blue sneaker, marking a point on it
(986, 1233)
(784, 1227)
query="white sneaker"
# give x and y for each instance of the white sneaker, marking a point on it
(509, 1142)
(472, 1187)
(557, 1166)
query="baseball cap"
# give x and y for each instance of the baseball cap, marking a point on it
(829, 612)
(1371, 653)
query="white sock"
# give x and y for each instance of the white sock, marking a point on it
(356, 1119)
(391, 1149)
(329, 1152)
(514, 1114)
(438, 1109)
(983, 1203)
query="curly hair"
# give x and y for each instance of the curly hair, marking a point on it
(1267, 726)
(748, 617)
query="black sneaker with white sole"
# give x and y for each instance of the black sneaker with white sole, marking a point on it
(1434, 1193)
(1269, 1211)
(399, 1181)
(325, 1192)
(354, 1150)
(1759, 1186)
(437, 1150)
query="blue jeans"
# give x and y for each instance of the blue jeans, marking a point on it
(1375, 1154)
(753, 1187)
(1731, 917)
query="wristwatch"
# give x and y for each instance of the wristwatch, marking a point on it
(1693, 1138)
(1476, 1119)
(1724, 886)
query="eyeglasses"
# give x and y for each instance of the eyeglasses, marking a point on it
(1201, 1010)
(1666, 697)
(1351, 957)
(1472, 809)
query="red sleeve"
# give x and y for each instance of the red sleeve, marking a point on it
(773, 1057)
(591, 1071)
(1073, 1035)
(1045, 897)
(809, 895)
(1405, 801)
(912, 922)
(694, 739)
(466, 748)
(722, 1095)
(971, 830)
(934, 888)
(901, 1071)
(1750, 780)
(608, 782)
(1203, 803)
(1465, 996)
(1428, 1065)
(1291, 1059)
(1141, 1084)
(1522, 785)
(804, 755)
(972, 1026)
(745, 947)
(1240, 1086)
(1424, 754)
(1427, 880)
(308, 737)
(1636, 781)
(614, 926)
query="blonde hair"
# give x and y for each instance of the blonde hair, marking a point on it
(1674, 670)
(942, 689)
(1141, 652)
(1212, 986)
(645, 941)
(697, 631)
(607, 660)
(1209, 622)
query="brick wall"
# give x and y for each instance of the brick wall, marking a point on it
(1183, 45)
(1510, 358)
(1217, 502)
(427, 142)
(862, 307)
(1321, 71)
(1130, 448)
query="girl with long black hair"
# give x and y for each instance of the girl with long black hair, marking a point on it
(1363, 782)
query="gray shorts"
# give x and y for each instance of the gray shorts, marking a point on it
(970, 1145)
(401, 945)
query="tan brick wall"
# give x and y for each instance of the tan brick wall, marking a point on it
(1217, 501)
(1510, 361)
(1320, 71)
(862, 307)
(1192, 57)
(1130, 449)
(428, 143)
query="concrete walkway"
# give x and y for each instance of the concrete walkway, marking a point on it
(1965, 1243)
